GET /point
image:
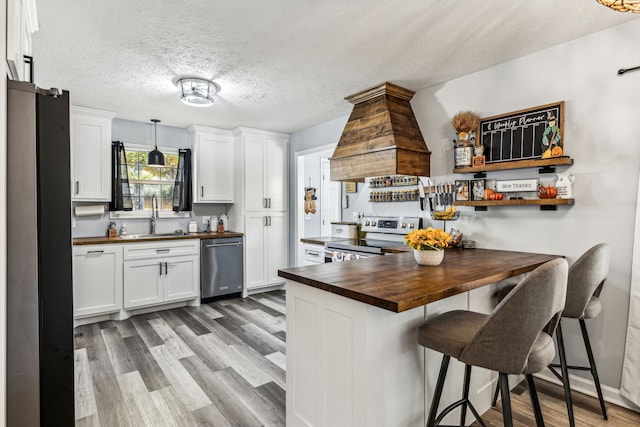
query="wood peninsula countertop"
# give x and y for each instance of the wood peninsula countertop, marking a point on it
(397, 283)
(201, 235)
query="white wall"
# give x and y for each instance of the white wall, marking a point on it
(601, 115)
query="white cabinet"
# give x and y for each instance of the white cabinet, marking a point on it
(265, 248)
(265, 170)
(90, 155)
(213, 165)
(97, 279)
(162, 272)
(22, 21)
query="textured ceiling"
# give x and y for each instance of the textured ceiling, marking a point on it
(284, 65)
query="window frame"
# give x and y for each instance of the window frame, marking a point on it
(147, 213)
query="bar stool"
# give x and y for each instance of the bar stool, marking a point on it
(584, 284)
(516, 338)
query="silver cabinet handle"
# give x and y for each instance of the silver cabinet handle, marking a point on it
(266, 221)
(264, 203)
(166, 268)
(77, 187)
(269, 221)
(269, 202)
(162, 251)
(96, 252)
(202, 191)
(160, 265)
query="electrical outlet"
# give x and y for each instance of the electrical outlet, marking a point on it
(206, 220)
(355, 216)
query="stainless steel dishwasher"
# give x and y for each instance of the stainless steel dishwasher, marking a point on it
(221, 266)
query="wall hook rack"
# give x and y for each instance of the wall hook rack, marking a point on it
(621, 71)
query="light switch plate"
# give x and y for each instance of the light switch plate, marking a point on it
(206, 219)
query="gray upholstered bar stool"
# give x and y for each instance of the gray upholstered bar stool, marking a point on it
(516, 338)
(584, 284)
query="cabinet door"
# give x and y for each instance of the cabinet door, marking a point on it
(277, 253)
(276, 175)
(255, 250)
(143, 282)
(214, 161)
(90, 155)
(181, 278)
(97, 280)
(254, 164)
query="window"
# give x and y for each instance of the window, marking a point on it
(145, 181)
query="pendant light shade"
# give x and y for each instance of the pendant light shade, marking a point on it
(622, 5)
(155, 158)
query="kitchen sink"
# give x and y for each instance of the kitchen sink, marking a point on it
(152, 236)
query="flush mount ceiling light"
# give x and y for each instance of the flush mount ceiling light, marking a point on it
(197, 92)
(155, 158)
(622, 5)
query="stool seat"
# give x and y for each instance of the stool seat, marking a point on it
(452, 331)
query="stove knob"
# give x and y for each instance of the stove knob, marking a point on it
(366, 223)
(403, 225)
(373, 223)
(411, 225)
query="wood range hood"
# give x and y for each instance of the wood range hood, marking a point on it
(382, 137)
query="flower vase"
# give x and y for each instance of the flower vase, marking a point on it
(428, 257)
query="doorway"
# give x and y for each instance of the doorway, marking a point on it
(310, 167)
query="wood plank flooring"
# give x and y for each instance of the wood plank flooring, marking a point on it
(220, 364)
(223, 364)
(586, 409)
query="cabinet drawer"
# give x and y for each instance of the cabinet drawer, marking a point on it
(161, 249)
(314, 253)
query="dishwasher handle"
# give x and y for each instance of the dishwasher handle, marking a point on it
(219, 245)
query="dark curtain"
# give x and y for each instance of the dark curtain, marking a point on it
(120, 193)
(182, 196)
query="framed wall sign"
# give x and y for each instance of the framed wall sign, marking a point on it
(516, 185)
(350, 187)
(532, 133)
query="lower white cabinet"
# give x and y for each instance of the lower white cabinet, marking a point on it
(313, 254)
(265, 248)
(97, 279)
(162, 272)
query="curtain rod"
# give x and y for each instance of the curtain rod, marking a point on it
(621, 71)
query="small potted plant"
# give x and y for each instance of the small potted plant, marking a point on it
(428, 245)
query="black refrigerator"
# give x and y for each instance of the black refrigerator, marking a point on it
(39, 271)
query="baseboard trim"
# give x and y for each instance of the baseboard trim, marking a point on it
(586, 386)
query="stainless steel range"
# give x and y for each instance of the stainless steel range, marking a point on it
(383, 233)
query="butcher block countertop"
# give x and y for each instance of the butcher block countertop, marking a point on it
(103, 239)
(397, 283)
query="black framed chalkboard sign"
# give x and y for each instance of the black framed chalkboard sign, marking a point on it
(533, 133)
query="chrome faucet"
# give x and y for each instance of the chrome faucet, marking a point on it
(154, 213)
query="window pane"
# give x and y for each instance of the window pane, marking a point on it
(167, 204)
(150, 173)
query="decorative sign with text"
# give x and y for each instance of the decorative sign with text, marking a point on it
(517, 185)
(523, 134)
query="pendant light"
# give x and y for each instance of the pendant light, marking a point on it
(155, 158)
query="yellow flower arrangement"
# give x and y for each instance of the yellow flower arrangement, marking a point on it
(431, 239)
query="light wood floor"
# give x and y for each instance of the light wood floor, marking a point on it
(223, 364)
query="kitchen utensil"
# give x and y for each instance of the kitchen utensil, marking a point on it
(421, 191)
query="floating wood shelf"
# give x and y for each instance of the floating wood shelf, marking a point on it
(545, 204)
(516, 164)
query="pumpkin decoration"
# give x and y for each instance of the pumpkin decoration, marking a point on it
(547, 192)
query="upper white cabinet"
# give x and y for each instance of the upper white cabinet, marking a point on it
(90, 154)
(264, 155)
(22, 21)
(213, 165)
